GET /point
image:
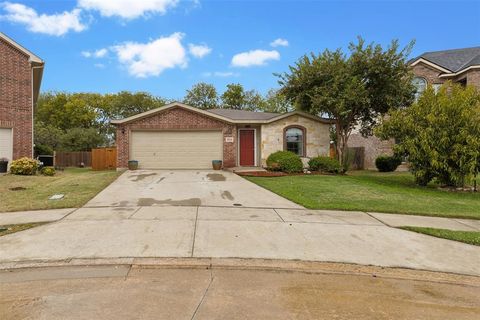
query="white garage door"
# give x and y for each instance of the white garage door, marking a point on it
(6, 146)
(176, 149)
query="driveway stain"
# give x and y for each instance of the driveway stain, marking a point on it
(123, 203)
(140, 177)
(147, 202)
(123, 209)
(227, 195)
(216, 177)
(160, 180)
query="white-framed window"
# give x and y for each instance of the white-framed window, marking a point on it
(436, 87)
(295, 140)
(420, 85)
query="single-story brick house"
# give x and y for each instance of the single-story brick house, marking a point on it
(178, 136)
(20, 78)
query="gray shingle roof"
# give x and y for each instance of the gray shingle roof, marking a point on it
(243, 114)
(453, 60)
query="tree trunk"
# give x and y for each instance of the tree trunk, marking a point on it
(342, 144)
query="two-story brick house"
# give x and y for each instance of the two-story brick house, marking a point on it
(430, 69)
(20, 78)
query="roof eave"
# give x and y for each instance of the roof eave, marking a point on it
(449, 75)
(429, 63)
(32, 58)
(169, 106)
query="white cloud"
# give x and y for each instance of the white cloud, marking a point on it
(151, 59)
(100, 53)
(86, 54)
(254, 58)
(128, 9)
(199, 51)
(279, 43)
(220, 74)
(55, 24)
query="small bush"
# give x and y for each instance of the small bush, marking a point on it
(48, 171)
(387, 163)
(324, 164)
(24, 166)
(284, 161)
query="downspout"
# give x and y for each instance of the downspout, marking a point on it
(33, 108)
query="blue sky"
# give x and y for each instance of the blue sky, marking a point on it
(166, 46)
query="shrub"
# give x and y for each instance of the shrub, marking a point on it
(285, 161)
(440, 135)
(24, 166)
(324, 164)
(387, 163)
(41, 149)
(48, 171)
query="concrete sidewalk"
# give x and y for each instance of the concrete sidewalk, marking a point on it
(253, 214)
(402, 220)
(20, 217)
(228, 232)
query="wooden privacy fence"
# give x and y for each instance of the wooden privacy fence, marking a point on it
(104, 158)
(356, 158)
(72, 159)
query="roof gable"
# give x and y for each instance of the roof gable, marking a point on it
(451, 61)
(31, 56)
(229, 117)
(168, 107)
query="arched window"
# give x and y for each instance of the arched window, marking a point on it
(420, 86)
(294, 140)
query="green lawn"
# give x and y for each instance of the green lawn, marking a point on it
(12, 228)
(470, 237)
(393, 192)
(78, 184)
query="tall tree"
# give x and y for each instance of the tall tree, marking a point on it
(354, 90)
(254, 101)
(233, 97)
(275, 101)
(202, 95)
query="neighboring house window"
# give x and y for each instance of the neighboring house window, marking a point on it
(436, 87)
(294, 140)
(420, 86)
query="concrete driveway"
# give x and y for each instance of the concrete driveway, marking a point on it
(186, 188)
(208, 214)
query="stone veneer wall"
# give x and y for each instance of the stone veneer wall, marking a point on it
(176, 119)
(16, 109)
(318, 136)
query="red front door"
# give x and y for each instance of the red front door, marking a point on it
(247, 147)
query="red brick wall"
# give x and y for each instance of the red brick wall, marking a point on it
(16, 98)
(176, 119)
(429, 73)
(432, 75)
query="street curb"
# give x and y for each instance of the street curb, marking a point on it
(310, 267)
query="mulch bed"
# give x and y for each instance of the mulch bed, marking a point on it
(281, 174)
(262, 174)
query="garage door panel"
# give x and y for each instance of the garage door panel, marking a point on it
(6, 146)
(176, 149)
